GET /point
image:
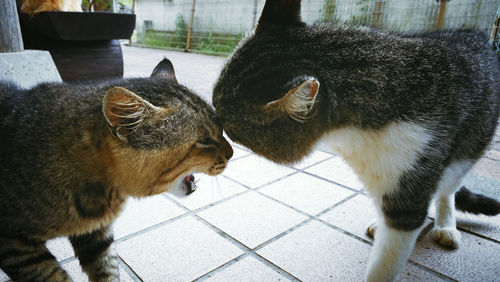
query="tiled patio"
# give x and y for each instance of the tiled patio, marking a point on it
(262, 222)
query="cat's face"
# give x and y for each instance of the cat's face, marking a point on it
(267, 94)
(161, 137)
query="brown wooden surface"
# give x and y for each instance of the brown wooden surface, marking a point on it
(442, 10)
(10, 33)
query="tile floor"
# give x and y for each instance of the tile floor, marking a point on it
(262, 222)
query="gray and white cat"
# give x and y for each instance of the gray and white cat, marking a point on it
(410, 114)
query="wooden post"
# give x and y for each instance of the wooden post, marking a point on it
(190, 30)
(10, 30)
(442, 10)
(378, 12)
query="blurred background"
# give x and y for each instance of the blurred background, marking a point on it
(216, 26)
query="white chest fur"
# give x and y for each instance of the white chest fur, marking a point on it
(379, 157)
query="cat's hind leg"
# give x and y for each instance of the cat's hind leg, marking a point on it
(96, 255)
(27, 259)
(445, 229)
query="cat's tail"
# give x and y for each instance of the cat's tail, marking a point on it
(467, 201)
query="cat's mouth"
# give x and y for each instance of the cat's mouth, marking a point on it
(189, 184)
(183, 186)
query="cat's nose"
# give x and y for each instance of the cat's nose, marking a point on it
(229, 153)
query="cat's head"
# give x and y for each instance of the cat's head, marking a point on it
(267, 96)
(160, 132)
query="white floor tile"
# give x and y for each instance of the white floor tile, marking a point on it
(142, 213)
(312, 159)
(353, 216)
(3, 276)
(306, 193)
(77, 275)
(247, 269)
(61, 248)
(476, 259)
(238, 153)
(210, 189)
(315, 252)
(179, 251)
(337, 170)
(251, 218)
(255, 171)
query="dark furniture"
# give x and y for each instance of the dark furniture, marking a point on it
(83, 45)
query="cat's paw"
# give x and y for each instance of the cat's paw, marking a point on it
(371, 228)
(446, 237)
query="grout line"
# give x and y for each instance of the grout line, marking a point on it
(229, 238)
(316, 163)
(354, 236)
(283, 234)
(67, 260)
(150, 228)
(238, 244)
(425, 230)
(430, 271)
(187, 213)
(263, 185)
(275, 267)
(252, 252)
(296, 170)
(338, 204)
(478, 235)
(205, 207)
(131, 273)
(333, 182)
(239, 158)
(221, 267)
(310, 218)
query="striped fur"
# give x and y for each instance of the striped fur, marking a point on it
(72, 153)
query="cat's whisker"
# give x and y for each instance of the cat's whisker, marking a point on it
(219, 188)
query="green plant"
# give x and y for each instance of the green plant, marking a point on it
(365, 17)
(98, 5)
(180, 31)
(218, 44)
(328, 10)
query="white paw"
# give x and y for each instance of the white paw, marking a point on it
(371, 228)
(447, 237)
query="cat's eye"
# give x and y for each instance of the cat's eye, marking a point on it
(207, 142)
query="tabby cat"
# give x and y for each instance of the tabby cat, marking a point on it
(32, 7)
(409, 113)
(71, 154)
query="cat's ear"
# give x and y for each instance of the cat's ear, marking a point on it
(125, 111)
(280, 12)
(298, 102)
(165, 70)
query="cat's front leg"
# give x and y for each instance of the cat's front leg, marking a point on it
(397, 228)
(27, 259)
(96, 255)
(389, 254)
